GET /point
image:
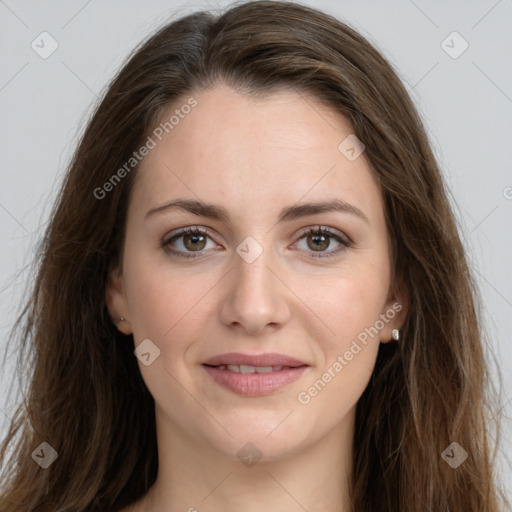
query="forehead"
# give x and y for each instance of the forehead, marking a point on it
(248, 153)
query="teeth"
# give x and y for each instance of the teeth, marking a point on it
(263, 369)
(244, 368)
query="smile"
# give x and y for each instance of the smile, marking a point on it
(245, 368)
(250, 380)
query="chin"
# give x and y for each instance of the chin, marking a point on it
(256, 444)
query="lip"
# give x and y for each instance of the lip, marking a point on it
(269, 359)
(254, 384)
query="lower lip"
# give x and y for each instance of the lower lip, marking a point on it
(255, 384)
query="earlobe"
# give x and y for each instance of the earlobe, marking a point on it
(116, 301)
(394, 314)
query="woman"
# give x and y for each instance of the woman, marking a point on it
(321, 349)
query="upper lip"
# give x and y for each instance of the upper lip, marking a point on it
(271, 359)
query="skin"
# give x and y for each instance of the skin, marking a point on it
(254, 156)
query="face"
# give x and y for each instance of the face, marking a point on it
(259, 277)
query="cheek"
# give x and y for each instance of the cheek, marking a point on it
(351, 308)
(152, 301)
(166, 307)
(348, 303)
(166, 304)
(336, 389)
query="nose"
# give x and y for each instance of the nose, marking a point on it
(257, 298)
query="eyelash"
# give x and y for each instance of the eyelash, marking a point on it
(319, 230)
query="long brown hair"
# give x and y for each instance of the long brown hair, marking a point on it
(85, 395)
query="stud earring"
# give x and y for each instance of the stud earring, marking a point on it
(396, 334)
(121, 318)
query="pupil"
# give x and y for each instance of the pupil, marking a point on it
(316, 238)
(194, 240)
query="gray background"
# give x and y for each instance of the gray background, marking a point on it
(466, 103)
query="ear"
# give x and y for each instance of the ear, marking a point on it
(395, 311)
(115, 299)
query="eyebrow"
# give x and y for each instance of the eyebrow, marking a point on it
(289, 213)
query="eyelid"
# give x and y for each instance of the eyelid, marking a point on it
(328, 230)
(344, 241)
(341, 237)
(176, 233)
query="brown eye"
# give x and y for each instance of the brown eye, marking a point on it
(186, 242)
(318, 242)
(194, 242)
(319, 239)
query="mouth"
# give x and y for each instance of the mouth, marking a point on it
(246, 369)
(249, 380)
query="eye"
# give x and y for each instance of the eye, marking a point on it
(319, 239)
(193, 241)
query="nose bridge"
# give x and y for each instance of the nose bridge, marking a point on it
(255, 296)
(253, 275)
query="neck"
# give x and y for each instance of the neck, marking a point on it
(194, 477)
